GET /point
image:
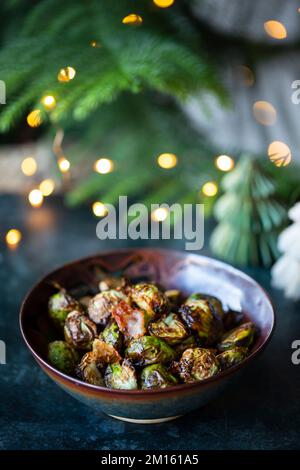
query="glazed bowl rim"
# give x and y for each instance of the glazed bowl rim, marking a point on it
(180, 387)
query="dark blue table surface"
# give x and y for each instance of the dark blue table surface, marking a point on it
(261, 412)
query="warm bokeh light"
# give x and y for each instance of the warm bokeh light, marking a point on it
(210, 189)
(47, 187)
(13, 237)
(103, 166)
(132, 19)
(160, 214)
(35, 198)
(275, 29)
(279, 153)
(224, 163)
(49, 101)
(66, 74)
(63, 164)
(245, 75)
(163, 3)
(264, 113)
(34, 119)
(29, 166)
(167, 160)
(95, 44)
(99, 209)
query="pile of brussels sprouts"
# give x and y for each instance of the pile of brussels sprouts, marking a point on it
(137, 336)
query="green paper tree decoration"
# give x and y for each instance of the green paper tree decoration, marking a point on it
(249, 215)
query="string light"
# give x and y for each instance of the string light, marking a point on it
(34, 119)
(13, 237)
(210, 189)
(103, 166)
(63, 164)
(163, 3)
(35, 198)
(279, 153)
(246, 75)
(132, 19)
(66, 74)
(264, 113)
(99, 209)
(275, 29)
(47, 187)
(160, 214)
(167, 160)
(49, 101)
(29, 166)
(224, 163)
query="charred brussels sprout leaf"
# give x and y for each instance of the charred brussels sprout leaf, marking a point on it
(188, 343)
(63, 356)
(60, 305)
(157, 376)
(121, 376)
(149, 350)
(150, 299)
(79, 330)
(102, 305)
(201, 318)
(88, 370)
(197, 364)
(242, 336)
(174, 297)
(169, 328)
(112, 335)
(214, 301)
(105, 353)
(232, 319)
(231, 357)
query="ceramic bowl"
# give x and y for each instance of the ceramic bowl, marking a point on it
(173, 270)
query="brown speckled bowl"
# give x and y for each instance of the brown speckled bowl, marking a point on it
(173, 270)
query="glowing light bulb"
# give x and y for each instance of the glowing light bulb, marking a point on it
(66, 74)
(36, 198)
(132, 19)
(47, 187)
(95, 44)
(224, 163)
(13, 237)
(167, 160)
(275, 29)
(210, 189)
(103, 166)
(29, 166)
(163, 3)
(63, 164)
(264, 113)
(160, 214)
(34, 119)
(49, 101)
(99, 209)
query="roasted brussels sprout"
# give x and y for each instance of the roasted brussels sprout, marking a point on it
(232, 319)
(110, 282)
(201, 318)
(88, 370)
(174, 297)
(112, 335)
(121, 376)
(149, 350)
(231, 357)
(150, 299)
(105, 353)
(102, 305)
(131, 321)
(214, 301)
(197, 364)
(79, 330)
(169, 328)
(63, 356)
(188, 343)
(59, 305)
(242, 336)
(157, 376)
